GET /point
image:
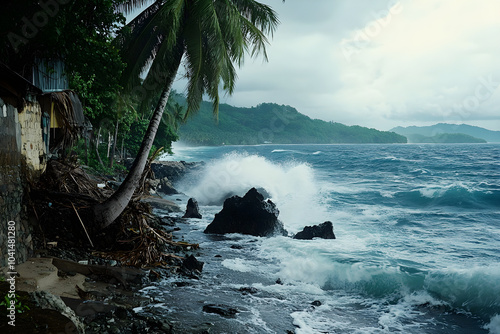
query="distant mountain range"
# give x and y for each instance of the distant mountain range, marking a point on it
(272, 123)
(461, 133)
(444, 138)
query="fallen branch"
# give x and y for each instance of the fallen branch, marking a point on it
(80, 219)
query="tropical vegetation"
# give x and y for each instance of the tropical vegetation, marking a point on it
(272, 123)
(123, 73)
(209, 38)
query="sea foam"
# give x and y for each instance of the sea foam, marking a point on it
(494, 325)
(292, 186)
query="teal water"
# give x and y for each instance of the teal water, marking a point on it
(417, 226)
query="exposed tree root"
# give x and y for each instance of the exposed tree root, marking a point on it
(62, 201)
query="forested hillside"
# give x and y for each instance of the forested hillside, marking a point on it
(272, 123)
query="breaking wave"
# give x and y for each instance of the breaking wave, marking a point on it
(291, 185)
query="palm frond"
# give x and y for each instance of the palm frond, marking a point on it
(153, 29)
(260, 15)
(130, 5)
(213, 35)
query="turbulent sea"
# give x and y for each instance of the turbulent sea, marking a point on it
(417, 248)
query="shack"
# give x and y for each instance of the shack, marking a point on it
(36, 124)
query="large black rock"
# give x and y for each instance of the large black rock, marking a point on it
(249, 214)
(221, 309)
(191, 263)
(324, 231)
(192, 209)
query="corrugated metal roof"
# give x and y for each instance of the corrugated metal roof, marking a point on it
(49, 75)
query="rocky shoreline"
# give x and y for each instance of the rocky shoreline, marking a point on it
(92, 293)
(89, 293)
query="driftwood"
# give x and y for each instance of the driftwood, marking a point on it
(125, 275)
(63, 199)
(66, 177)
(83, 225)
(148, 246)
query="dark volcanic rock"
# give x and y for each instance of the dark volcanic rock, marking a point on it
(324, 231)
(172, 170)
(249, 214)
(192, 210)
(219, 200)
(248, 290)
(166, 187)
(220, 309)
(191, 263)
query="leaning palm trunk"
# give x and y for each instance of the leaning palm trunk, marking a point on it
(213, 35)
(106, 212)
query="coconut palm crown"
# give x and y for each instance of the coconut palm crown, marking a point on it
(212, 35)
(207, 37)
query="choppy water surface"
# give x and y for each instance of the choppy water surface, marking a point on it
(417, 248)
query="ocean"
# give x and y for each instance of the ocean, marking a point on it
(417, 248)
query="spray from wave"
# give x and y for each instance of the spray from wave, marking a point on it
(494, 325)
(291, 185)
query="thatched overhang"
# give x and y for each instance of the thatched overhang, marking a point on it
(67, 121)
(63, 109)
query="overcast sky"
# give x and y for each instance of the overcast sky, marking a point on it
(380, 63)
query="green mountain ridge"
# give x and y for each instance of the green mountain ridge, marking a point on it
(442, 128)
(272, 123)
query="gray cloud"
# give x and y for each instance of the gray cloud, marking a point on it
(381, 63)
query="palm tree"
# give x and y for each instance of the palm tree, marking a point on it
(208, 37)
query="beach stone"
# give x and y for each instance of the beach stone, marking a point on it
(191, 263)
(324, 231)
(248, 290)
(221, 309)
(250, 215)
(166, 187)
(46, 300)
(192, 209)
